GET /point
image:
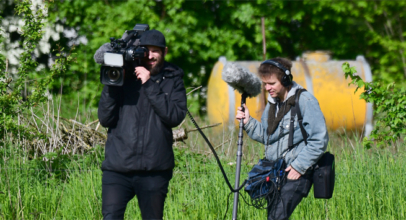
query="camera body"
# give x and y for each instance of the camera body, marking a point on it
(125, 52)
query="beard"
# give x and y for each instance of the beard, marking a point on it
(155, 69)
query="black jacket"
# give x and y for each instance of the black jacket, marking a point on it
(140, 118)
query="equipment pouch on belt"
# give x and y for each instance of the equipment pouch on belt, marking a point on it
(265, 177)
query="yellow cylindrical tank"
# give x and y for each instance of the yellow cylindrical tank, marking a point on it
(314, 71)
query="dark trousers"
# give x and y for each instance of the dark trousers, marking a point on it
(291, 195)
(149, 187)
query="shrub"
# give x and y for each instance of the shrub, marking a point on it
(13, 101)
(389, 101)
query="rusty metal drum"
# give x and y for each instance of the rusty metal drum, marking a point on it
(315, 71)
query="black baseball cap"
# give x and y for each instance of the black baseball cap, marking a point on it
(152, 38)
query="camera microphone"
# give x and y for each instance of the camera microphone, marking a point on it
(99, 55)
(241, 79)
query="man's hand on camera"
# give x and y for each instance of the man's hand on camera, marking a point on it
(142, 74)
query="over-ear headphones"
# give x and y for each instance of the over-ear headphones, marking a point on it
(287, 78)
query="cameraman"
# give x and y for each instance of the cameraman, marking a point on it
(140, 116)
(273, 132)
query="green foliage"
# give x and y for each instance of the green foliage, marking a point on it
(32, 32)
(13, 100)
(380, 29)
(389, 101)
(199, 32)
(2, 57)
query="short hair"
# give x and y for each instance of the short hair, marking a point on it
(266, 69)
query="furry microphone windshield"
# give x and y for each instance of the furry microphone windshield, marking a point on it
(99, 55)
(241, 79)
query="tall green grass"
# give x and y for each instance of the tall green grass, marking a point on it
(369, 184)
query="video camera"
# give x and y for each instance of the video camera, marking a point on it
(123, 54)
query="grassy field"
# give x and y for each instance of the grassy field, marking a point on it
(369, 183)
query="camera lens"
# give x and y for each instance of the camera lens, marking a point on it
(114, 74)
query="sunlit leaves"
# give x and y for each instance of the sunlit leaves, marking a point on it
(390, 105)
(14, 98)
(198, 32)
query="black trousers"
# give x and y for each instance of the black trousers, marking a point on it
(149, 187)
(291, 195)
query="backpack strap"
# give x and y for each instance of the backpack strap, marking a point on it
(296, 111)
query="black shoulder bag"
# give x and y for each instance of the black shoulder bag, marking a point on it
(324, 169)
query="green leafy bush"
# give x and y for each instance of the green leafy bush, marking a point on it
(14, 102)
(389, 101)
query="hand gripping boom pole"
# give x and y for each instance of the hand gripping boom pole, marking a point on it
(239, 155)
